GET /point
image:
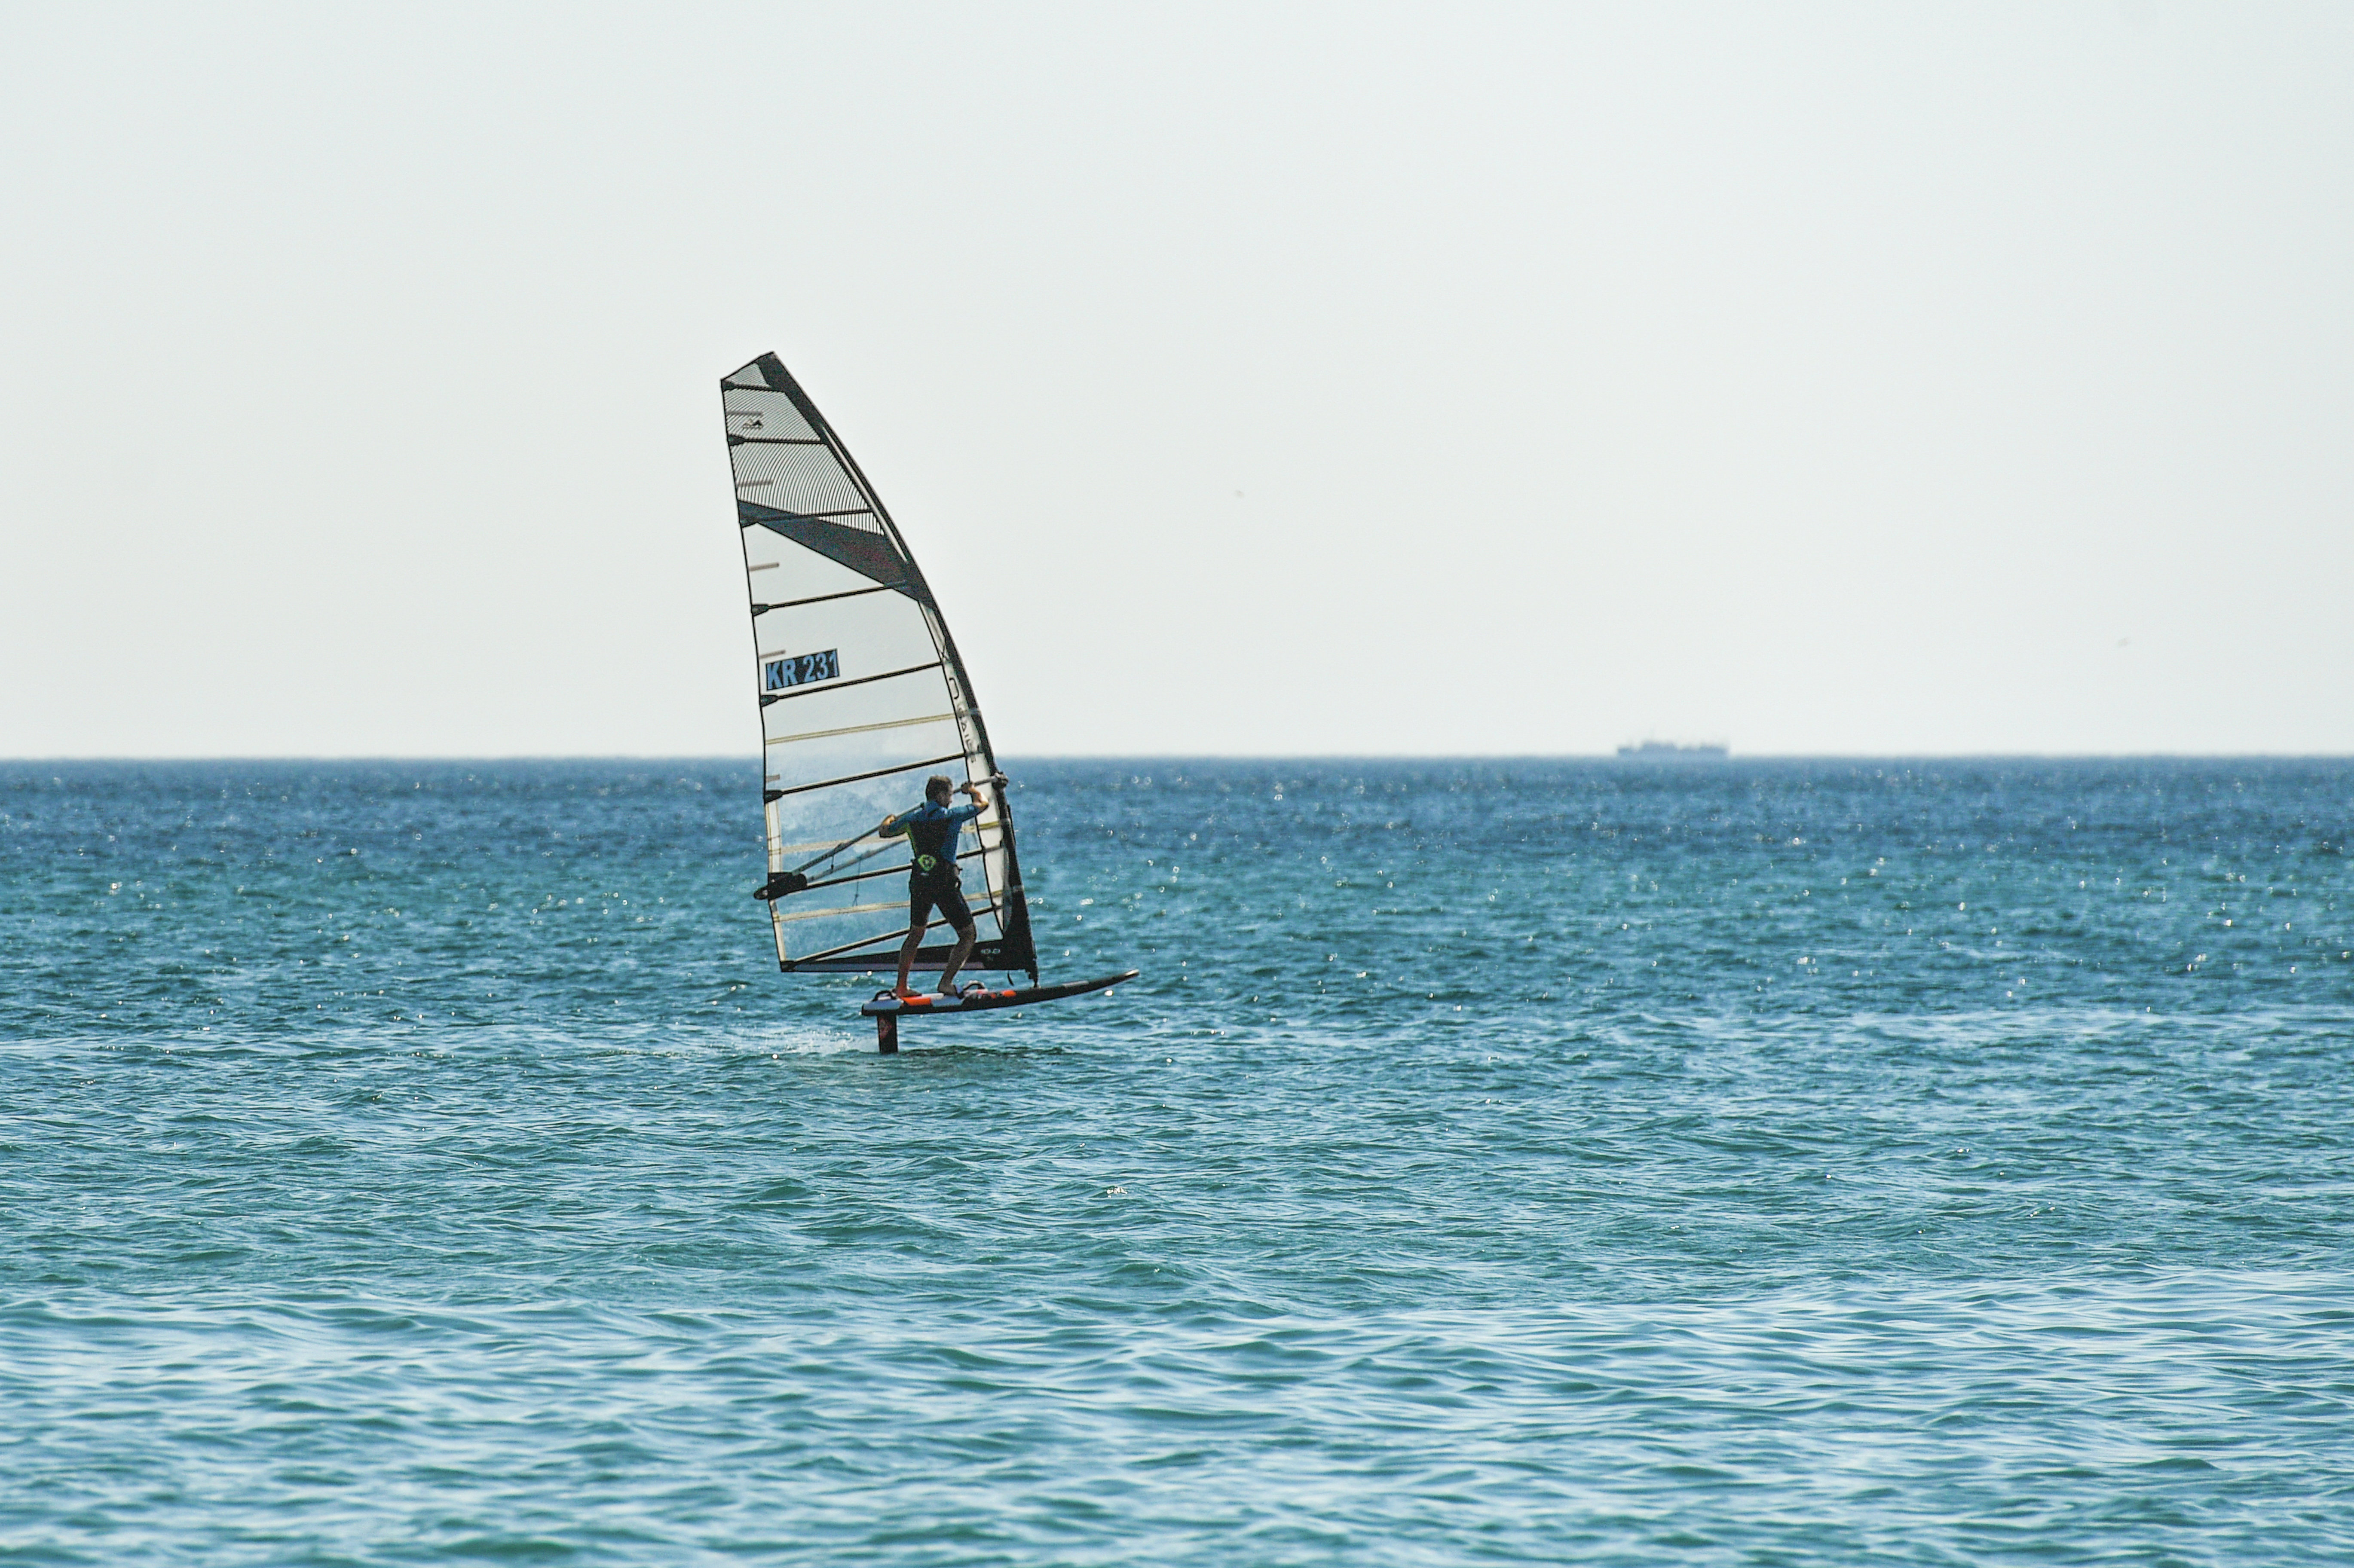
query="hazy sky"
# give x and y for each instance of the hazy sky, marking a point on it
(1255, 379)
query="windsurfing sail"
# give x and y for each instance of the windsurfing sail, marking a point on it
(862, 698)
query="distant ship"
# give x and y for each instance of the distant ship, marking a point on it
(1669, 751)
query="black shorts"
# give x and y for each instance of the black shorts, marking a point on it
(927, 892)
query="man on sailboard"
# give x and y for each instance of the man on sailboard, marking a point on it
(931, 831)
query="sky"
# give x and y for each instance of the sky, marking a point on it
(1266, 378)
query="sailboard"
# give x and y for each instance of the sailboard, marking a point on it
(887, 1009)
(862, 695)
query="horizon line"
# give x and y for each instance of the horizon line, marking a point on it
(1654, 759)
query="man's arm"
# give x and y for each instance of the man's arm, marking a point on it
(980, 802)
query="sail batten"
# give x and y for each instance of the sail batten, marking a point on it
(767, 697)
(878, 773)
(846, 628)
(861, 728)
(759, 608)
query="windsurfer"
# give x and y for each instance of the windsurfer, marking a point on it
(931, 831)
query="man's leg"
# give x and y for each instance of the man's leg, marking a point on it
(907, 956)
(967, 934)
(919, 914)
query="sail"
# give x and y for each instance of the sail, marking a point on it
(862, 698)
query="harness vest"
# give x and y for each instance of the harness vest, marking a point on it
(930, 841)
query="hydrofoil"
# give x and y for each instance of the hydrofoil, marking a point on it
(889, 1007)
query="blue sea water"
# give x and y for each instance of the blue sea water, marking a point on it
(1498, 1162)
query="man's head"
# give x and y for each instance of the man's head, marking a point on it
(938, 789)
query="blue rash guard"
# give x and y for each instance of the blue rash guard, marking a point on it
(931, 832)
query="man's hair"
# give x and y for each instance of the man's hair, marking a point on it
(941, 785)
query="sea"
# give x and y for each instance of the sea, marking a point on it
(1497, 1161)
